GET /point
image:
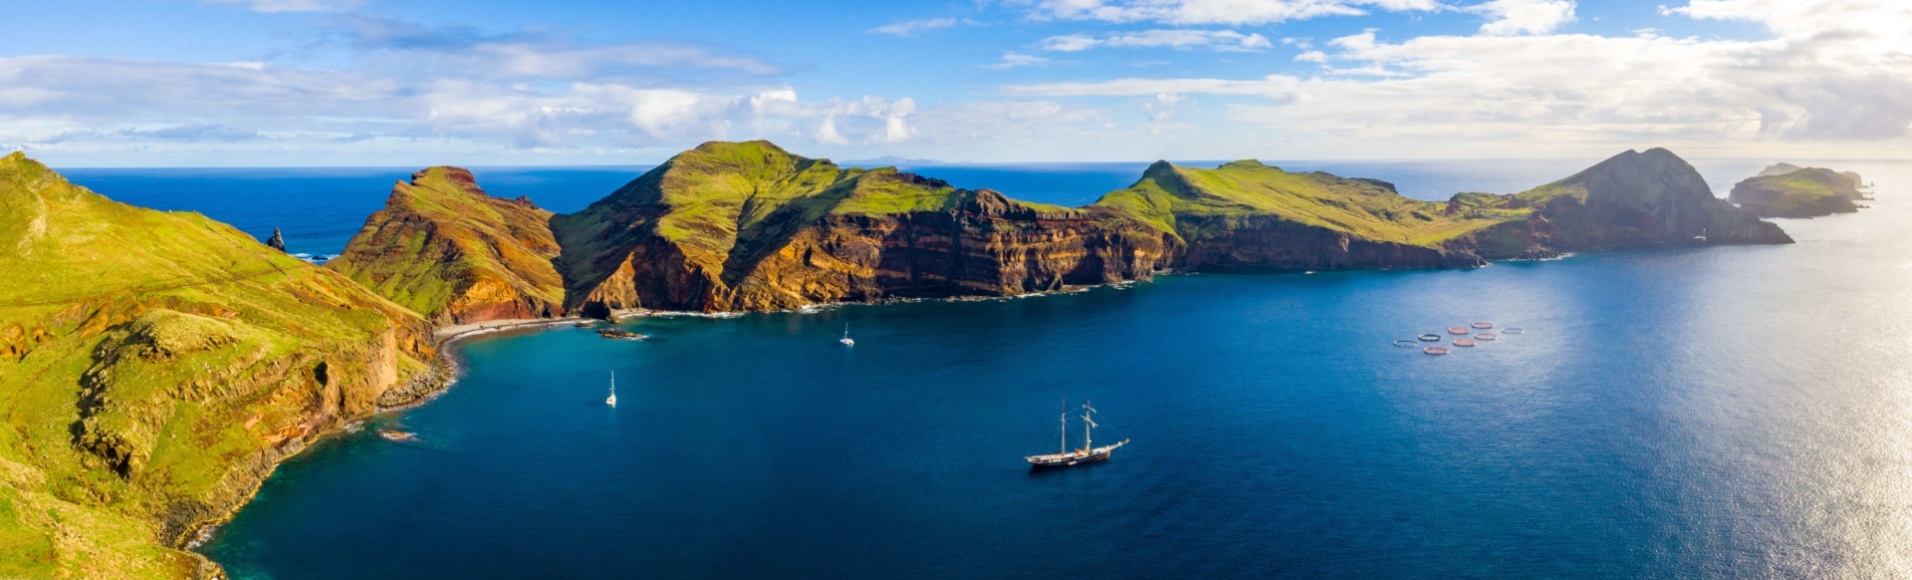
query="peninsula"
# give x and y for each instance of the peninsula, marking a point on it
(156, 366)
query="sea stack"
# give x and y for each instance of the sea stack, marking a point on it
(277, 241)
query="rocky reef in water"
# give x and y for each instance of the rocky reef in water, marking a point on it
(1784, 190)
(155, 367)
(447, 250)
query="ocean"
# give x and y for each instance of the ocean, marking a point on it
(1699, 412)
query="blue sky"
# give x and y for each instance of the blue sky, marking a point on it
(390, 82)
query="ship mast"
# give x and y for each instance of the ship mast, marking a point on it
(1065, 426)
(1088, 427)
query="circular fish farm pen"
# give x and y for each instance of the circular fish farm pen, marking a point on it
(1459, 331)
(1430, 337)
(1483, 325)
(1406, 343)
(1486, 336)
(1435, 350)
(1464, 342)
(1514, 331)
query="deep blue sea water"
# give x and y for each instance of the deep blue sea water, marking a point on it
(1692, 413)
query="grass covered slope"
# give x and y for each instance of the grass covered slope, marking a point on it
(1798, 193)
(1632, 199)
(750, 226)
(154, 366)
(1249, 215)
(448, 251)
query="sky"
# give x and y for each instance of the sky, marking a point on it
(202, 83)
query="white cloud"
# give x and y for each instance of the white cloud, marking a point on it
(1837, 71)
(1510, 17)
(515, 91)
(1012, 60)
(827, 132)
(1197, 12)
(1217, 40)
(911, 27)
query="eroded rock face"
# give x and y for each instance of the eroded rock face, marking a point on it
(748, 226)
(445, 249)
(277, 241)
(963, 243)
(1269, 243)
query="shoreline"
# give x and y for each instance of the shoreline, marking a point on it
(447, 339)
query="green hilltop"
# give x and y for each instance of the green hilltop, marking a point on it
(448, 251)
(153, 368)
(720, 207)
(1194, 203)
(1790, 191)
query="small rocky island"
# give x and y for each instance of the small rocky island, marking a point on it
(1785, 190)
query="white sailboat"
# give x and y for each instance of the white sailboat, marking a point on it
(612, 400)
(846, 336)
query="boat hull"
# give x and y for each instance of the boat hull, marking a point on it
(1067, 460)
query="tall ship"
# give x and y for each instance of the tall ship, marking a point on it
(1089, 453)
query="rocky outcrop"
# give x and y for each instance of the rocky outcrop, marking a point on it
(1632, 199)
(277, 241)
(448, 251)
(748, 226)
(1789, 191)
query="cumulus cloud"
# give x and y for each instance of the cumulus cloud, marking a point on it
(529, 89)
(1199, 12)
(1217, 40)
(1510, 17)
(1835, 71)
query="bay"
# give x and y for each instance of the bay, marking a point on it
(1703, 412)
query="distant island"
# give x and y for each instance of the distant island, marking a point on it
(158, 365)
(1784, 190)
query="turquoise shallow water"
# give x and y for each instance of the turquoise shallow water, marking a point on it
(1737, 411)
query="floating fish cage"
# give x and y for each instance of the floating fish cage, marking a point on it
(1406, 343)
(1486, 336)
(1483, 325)
(1514, 331)
(1459, 331)
(1436, 350)
(1430, 337)
(1464, 342)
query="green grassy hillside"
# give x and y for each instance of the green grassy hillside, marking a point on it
(1168, 196)
(448, 251)
(153, 367)
(1802, 192)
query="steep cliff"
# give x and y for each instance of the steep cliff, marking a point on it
(1799, 193)
(1246, 215)
(749, 226)
(448, 251)
(154, 367)
(1631, 199)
